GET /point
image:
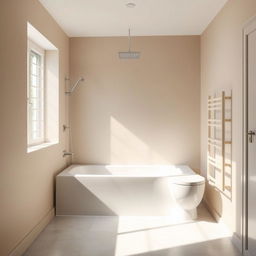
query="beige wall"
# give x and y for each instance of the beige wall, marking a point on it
(221, 67)
(136, 111)
(144, 111)
(26, 180)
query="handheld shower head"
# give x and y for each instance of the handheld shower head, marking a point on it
(81, 79)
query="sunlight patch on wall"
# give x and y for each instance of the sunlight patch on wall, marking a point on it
(127, 148)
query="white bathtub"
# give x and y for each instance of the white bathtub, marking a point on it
(122, 190)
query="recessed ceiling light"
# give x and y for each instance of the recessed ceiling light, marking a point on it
(131, 5)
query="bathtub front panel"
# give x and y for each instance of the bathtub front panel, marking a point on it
(122, 193)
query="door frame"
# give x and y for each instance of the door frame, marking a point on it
(248, 28)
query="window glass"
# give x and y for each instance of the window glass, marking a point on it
(35, 98)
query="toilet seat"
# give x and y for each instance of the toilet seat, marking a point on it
(189, 180)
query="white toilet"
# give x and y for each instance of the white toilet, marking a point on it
(188, 192)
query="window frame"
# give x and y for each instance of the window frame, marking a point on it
(33, 47)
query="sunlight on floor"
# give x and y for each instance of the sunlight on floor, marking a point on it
(133, 236)
(154, 233)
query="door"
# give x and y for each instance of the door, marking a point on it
(251, 142)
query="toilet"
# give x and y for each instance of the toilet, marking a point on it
(187, 192)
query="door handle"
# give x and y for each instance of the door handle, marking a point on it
(250, 135)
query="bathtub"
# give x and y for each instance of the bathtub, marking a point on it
(122, 190)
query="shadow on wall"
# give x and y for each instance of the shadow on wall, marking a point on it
(227, 204)
(126, 147)
(212, 194)
(136, 112)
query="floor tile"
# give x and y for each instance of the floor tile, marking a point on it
(134, 236)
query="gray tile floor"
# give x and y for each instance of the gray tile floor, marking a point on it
(137, 236)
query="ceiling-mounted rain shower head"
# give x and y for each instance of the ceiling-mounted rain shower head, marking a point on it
(129, 54)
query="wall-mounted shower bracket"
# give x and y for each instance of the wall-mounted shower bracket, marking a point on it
(65, 153)
(65, 127)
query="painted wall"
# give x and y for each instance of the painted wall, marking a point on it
(221, 68)
(26, 180)
(142, 111)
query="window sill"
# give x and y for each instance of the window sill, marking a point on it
(40, 146)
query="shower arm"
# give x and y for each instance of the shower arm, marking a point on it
(129, 54)
(129, 40)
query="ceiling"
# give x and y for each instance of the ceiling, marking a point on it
(149, 17)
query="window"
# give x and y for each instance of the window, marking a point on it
(42, 91)
(36, 131)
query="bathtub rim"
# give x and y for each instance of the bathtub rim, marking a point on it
(186, 171)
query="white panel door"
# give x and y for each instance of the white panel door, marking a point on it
(252, 143)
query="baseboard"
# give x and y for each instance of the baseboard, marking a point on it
(246, 253)
(212, 211)
(24, 244)
(236, 240)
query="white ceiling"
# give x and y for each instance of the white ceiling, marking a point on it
(150, 17)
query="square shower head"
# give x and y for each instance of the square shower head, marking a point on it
(129, 55)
